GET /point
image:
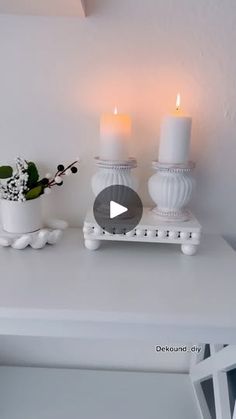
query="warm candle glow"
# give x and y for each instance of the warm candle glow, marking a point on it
(115, 130)
(178, 100)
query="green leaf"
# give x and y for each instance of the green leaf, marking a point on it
(5, 172)
(33, 174)
(34, 193)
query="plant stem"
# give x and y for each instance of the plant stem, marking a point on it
(58, 173)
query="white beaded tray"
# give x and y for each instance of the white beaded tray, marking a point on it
(151, 229)
(50, 234)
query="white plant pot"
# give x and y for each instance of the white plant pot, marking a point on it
(21, 217)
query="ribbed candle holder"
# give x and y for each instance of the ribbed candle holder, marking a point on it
(114, 172)
(171, 188)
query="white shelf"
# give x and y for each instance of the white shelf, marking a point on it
(62, 394)
(125, 290)
(43, 7)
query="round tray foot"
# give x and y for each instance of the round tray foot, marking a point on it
(92, 244)
(189, 249)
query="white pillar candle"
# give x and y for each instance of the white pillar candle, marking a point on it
(175, 137)
(115, 130)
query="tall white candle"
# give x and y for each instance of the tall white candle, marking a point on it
(175, 137)
(115, 130)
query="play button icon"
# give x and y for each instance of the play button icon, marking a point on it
(117, 209)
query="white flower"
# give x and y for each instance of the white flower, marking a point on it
(16, 187)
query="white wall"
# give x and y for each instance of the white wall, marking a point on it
(68, 394)
(57, 75)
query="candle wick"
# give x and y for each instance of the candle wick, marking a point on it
(178, 102)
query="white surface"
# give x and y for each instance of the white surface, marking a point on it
(175, 139)
(125, 290)
(122, 354)
(62, 394)
(69, 71)
(43, 7)
(116, 209)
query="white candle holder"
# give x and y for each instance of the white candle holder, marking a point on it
(171, 189)
(170, 223)
(114, 172)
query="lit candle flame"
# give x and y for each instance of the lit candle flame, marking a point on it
(178, 100)
(115, 111)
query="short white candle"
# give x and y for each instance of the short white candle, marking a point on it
(175, 137)
(115, 130)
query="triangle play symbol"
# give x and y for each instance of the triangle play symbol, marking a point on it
(116, 209)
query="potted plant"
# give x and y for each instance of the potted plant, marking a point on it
(21, 191)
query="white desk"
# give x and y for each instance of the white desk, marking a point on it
(40, 393)
(124, 290)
